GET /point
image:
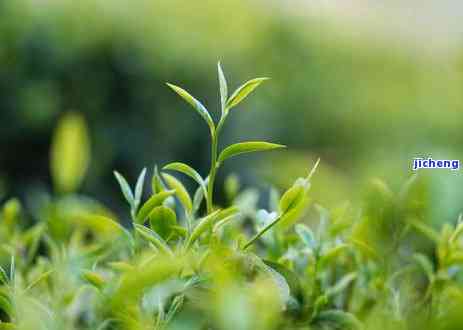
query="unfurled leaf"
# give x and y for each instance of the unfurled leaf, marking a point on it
(154, 238)
(306, 235)
(243, 91)
(94, 279)
(187, 170)
(3, 276)
(339, 319)
(341, 285)
(10, 212)
(331, 254)
(180, 190)
(223, 88)
(156, 183)
(201, 109)
(293, 202)
(70, 153)
(245, 147)
(162, 220)
(150, 204)
(426, 264)
(204, 224)
(197, 199)
(121, 266)
(139, 189)
(290, 277)
(125, 188)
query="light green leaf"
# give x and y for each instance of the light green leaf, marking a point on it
(332, 253)
(204, 224)
(223, 88)
(341, 285)
(306, 235)
(180, 191)
(125, 188)
(198, 198)
(151, 203)
(156, 183)
(243, 91)
(293, 202)
(94, 279)
(339, 319)
(245, 147)
(426, 264)
(154, 238)
(162, 219)
(187, 170)
(70, 153)
(139, 188)
(201, 109)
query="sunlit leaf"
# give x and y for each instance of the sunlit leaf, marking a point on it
(125, 188)
(201, 109)
(306, 235)
(180, 190)
(223, 88)
(203, 225)
(150, 204)
(339, 319)
(244, 90)
(154, 238)
(162, 219)
(139, 188)
(246, 147)
(70, 152)
(94, 278)
(187, 170)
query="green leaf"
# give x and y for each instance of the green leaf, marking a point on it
(70, 153)
(306, 235)
(187, 170)
(204, 224)
(223, 88)
(339, 318)
(293, 202)
(151, 203)
(291, 277)
(3, 276)
(332, 253)
(201, 109)
(243, 91)
(94, 279)
(425, 264)
(156, 183)
(139, 188)
(180, 191)
(162, 219)
(198, 198)
(245, 147)
(154, 238)
(341, 285)
(125, 188)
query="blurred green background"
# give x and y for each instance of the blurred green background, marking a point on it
(363, 95)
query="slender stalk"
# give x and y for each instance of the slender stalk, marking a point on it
(212, 173)
(262, 232)
(214, 165)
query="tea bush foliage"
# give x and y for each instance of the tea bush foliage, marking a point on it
(188, 262)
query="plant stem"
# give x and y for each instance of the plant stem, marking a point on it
(262, 232)
(214, 165)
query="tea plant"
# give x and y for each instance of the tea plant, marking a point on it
(186, 262)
